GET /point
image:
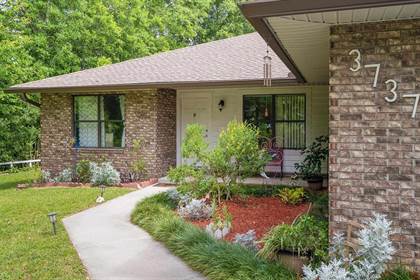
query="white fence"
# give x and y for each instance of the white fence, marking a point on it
(11, 164)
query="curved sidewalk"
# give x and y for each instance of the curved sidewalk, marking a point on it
(111, 248)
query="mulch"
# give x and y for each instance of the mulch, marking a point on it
(258, 213)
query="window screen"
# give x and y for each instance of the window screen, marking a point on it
(99, 121)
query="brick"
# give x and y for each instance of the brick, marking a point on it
(149, 116)
(375, 157)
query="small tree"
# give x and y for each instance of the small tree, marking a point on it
(237, 155)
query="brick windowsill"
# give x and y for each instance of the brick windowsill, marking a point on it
(114, 150)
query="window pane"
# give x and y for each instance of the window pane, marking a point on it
(112, 107)
(86, 108)
(290, 135)
(113, 135)
(86, 134)
(290, 108)
(258, 111)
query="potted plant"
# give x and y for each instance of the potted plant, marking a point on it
(310, 168)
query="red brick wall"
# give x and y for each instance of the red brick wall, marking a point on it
(375, 145)
(150, 117)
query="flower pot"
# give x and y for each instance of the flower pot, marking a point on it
(314, 184)
(292, 261)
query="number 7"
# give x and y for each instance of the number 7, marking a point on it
(416, 103)
(378, 66)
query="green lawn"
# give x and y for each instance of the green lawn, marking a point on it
(28, 250)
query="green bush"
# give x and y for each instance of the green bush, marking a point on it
(83, 172)
(399, 273)
(217, 260)
(314, 155)
(307, 237)
(320, 205)
(292, 195)
(237, 155)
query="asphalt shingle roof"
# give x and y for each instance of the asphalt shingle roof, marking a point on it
(234, 59)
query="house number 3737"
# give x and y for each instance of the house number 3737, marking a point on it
(392, 85)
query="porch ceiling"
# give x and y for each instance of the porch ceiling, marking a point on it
(298, 30)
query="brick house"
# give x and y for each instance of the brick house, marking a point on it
(368, 52)
(349, 69)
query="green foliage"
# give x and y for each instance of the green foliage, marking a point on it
(83, 172)
(41, 39)
(292, 195)
(314, 155)
(237, 155)
(319, 205)
(217, 260)
(308, 236)
(399, 273)
(138, 166)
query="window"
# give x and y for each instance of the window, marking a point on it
(99, 121)
(280, 116)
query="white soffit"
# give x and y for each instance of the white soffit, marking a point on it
(307, 44)
(305, 37)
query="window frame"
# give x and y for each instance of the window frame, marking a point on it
(273, 119)
(99, 122)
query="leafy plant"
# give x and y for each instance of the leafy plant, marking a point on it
(369, 261)
(221, 224)
(307, 236)
(64, 176)
(46, 176)
(399, 273)
(314, 155)
(237, 155)
(104, 174)
(137, 167)
(292, 195)
(196, 209)
(83, 172)
(215, 259)
(247, 240)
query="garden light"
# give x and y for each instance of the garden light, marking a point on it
(53, 220)
(102, 187)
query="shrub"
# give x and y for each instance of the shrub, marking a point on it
(247, 240)
(237, 155)
(104, 174)
(64, 176)
(314, 155)
(292, 195)
(137, 167)
(369, 260)
(195, 210)
(178, 198)
(83, 172)
(399, 273)
(45, 176)
(216, 259)
(221, 224)
(307, 236)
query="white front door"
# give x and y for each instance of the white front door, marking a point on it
(196, 110)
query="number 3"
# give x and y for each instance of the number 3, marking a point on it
(393, 91)
(357, 60)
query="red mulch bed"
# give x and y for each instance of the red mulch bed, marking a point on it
(258, 213)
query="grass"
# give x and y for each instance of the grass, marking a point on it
(400, 273)
(215, 259)
(28, 250)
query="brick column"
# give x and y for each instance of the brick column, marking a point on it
(375, 145)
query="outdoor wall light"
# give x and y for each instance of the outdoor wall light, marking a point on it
(221, 105)
(53, 220)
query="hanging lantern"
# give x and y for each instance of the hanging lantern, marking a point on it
(267, 70)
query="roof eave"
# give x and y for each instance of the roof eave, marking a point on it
(135, 86)
(269, 8)
(256, 13)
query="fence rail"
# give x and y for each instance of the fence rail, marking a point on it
(11, 164)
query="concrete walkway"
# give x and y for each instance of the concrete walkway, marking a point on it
(112, 248)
